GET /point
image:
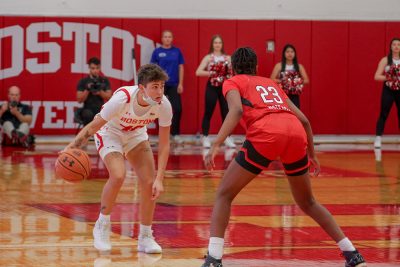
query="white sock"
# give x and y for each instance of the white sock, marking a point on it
(104, 218)
(346, 245)
(145, 229)
(216, 247)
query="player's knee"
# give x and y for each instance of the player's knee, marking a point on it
(306, 204)
(117, 178)
(225, 195)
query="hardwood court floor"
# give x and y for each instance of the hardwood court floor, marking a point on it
(47, 222)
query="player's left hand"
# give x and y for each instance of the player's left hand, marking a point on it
(209, 158)
(158, 188)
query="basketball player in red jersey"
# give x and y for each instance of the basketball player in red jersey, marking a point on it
(275, 128)
(120, 132)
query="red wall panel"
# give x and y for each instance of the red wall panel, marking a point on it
(186, 37)
(329, 70)
(207, 28)
(297, 33)
(363, 92)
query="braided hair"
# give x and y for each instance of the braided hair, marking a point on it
(244, 61)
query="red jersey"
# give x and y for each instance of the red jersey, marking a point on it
(260, 97)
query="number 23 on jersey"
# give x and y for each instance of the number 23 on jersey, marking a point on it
(269, 95)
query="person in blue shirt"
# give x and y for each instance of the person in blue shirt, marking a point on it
(170, 59)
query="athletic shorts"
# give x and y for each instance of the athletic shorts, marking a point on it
(287, 141)
(112, 140)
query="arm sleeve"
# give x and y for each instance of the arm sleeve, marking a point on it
(107, 85)
(165, 118)
(81, 85)
(115, 105)
(229, 85)
(27, 110)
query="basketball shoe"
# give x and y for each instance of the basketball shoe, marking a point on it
(353, 259)
(211, 262)
(229, 142)
(101, 235)
(147, 244)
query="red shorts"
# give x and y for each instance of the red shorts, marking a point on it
(281, 136)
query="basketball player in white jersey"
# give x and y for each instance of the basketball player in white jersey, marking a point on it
(120, 132)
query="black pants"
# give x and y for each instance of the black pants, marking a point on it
(86, 115)
(213, 94)
(388, 97)
(172, 93)
(295, 99)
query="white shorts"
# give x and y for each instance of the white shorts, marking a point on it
(112, 140)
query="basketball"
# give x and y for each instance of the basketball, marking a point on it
(73, 165)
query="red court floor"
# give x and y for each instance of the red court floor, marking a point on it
(45, 221)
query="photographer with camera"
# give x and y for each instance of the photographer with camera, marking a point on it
(15, 118)
(93, 91)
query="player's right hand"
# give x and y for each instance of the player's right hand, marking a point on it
(317, 167)
(209, 158)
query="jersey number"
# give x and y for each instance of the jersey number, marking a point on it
(269, 94)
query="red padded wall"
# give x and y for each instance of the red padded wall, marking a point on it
(329, 68)
(340, 58)
(366, 44)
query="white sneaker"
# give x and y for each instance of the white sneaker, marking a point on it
(378, 141)
(229, 142)
(206, 142)
(147, 244)
(101, 235)
(177, 139)
(378, 154)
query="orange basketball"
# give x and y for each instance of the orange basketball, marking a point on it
(73, 165)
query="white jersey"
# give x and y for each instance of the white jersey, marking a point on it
(119, 112)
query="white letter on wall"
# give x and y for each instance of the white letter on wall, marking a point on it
(17, 51)
(146, 49)
(81, 31)
(107, 36)
(34, 46)
(49, 115)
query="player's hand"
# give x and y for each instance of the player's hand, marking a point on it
(180, 89)
(158, 188)
(69, 146)
(209, 158)
(316, 165)
(14, 110)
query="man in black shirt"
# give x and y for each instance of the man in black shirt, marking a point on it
(93, 91)
(16, 117)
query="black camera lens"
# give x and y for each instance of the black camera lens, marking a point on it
(13, 103)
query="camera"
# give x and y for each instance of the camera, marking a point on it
(13, 104)
(96, 84)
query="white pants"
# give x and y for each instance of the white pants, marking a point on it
(112, 140)
(8, 128)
